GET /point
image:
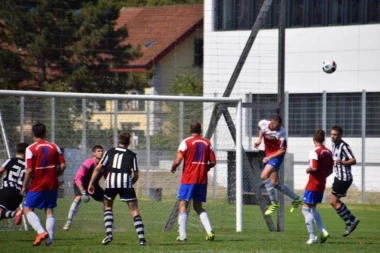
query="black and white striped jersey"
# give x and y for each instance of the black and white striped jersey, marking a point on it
(120, 164)
(343, 152)
(14, 173)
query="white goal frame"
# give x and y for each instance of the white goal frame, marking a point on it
(235, 102)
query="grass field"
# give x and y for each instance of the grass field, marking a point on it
(86, 235)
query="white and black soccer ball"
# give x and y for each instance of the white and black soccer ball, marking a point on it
(329, 66)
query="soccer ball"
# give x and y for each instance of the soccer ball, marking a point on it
(329, 66)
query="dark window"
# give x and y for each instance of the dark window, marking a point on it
(373, 11)
(225, 15)
(316, 12)
(305, 114)
(372, 114)
(354, 15)
(198, 52)
(243, 14)
(344, 109)
(297, 13)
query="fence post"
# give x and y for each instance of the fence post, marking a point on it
(364, 126)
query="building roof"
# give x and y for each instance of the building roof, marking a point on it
(157, 30)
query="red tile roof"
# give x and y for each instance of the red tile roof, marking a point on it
(157, 30)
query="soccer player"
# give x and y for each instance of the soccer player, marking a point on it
(81, 181)
(121, 165)
(320, 167)
(10, 193)
(274, 136)
(44, 164)
(199, 157)
(344, 158)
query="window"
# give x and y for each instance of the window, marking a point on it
(297, 13)
(336, 12)
(243, 14)
(305, 114)
(224, 15)
(354, 9)
(316, 17)
(373, 11)
(372, 114)
(198, 52)
(344, 109)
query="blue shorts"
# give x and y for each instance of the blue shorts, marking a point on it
(312, 198)
(197, 192)
(275, 162)
(40, 200)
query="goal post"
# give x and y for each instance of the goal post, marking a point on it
(77, 126)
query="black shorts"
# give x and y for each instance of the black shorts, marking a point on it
(339, 187)
(98, 192)
(126, 194)
(10, 198)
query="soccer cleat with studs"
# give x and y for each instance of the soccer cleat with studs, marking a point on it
(351, 227)
(18, 217)
(107, 240)
(180, 240)
(143, 243)
(210, 236)
(296, 203)
(324, 237)
(312, 240)
(67, 226)
(40, 238)
(271, 209)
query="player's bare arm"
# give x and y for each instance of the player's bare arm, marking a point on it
(61, 168)
(349, 162)
(93, 178)
(177, 161)
(311, 170)
(259, 140)
(210, 165)
(135, 177)
(2, 169)
(27, 178)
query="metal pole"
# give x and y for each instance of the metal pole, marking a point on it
(22, 119)
(324, 110)
(214, 171)
(281, 96)
(147, 138)
(52, 120)
(364, 126)
(84, 127)
(239, 169)
(115, 122)
(249, 120)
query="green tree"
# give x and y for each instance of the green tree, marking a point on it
(73, 42)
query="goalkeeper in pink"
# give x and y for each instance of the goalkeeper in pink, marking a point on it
(81, 182)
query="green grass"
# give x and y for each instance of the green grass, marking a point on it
(86, 234)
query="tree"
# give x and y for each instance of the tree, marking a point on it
(72, 42)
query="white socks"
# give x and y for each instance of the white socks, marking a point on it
(205, 221)
(309, 221)
(182, 222)
(270, 190)
(73, 209)
(34, 221)
(284, 189)
(50, 227)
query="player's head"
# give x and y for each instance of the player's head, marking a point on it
(336, 134)
(21, 147)
(195, 127)
(97, 151)
(276, 122)
(39, 130)
(319, 136)
(124, 139)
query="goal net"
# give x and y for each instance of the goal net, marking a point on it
(77, 122)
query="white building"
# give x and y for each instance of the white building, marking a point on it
(345, 31)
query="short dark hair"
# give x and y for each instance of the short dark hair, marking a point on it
(39, 130)
(338, 129)
(94, 148)
(319, 136)
(124, 138)
(195, 127)
(277, 118)
(21, 147)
